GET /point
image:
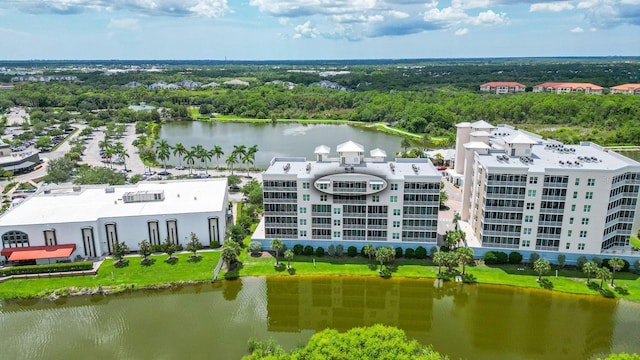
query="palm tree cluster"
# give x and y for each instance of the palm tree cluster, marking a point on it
(603, 273)
(240, 154)
(111, 150)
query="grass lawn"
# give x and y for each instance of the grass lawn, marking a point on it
(635, 242)
(570, 281)
(134, 275)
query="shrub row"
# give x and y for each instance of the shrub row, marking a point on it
(337, 250)
(500, 257)
(48, 268)
(161, 248)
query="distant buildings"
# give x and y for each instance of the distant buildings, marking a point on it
(626, 89)
(498, 87)
(568, 87)
(43, 78)
(17, 163)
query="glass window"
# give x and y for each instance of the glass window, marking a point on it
(573, 207)
(585, 221)
(393, 199)
(394, 186)
(575, 194)
(395, 236)
(303, 233)
(323, 197)
(305, 185)
(591, 182)
(569, 233)
(303, 210)
(589, 195)
(375, 198)
(583, 233)
(531, 193)
(587, 208)
(306, 197)
(580, 246)
(303, 221)
(567, 246)
(577, 181)
(336, 211)
(396, 212)
(533, 180)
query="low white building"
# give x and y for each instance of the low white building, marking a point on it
(94, 218)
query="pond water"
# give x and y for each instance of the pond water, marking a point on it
(285, 139)
(634, 154)
(216, 320)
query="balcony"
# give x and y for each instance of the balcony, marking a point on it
(503, 196)
(280, 201)
(547, 248)
(377, 215)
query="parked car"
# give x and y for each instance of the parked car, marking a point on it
(234, 188)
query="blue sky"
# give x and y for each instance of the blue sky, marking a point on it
(316, 29)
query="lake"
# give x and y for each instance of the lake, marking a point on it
(284, 139)
(216, 320)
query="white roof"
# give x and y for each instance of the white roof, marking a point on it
(480, 133)
(463, 124)
(92, 203)
(476, 145)
(520, 138)
(482, 125)
(322, 149)
(350, 146)
(378, 153)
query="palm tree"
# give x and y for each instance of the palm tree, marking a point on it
(277, 245)
(104, 144)
(120, 150)
(439, 259)
(603, 274)
(179, 150)
(190, 159)
(369, 251)
(541, 266)
(148, 156)
(384, 254)
(252, 154)
(464, 256)
(589, 268)
(240, 151)
(204, 155)
(406, 144)
(199, 151)
(217, 152)
(288, 255)
(231, 160)
(246, 158)
(108, 153)
(616, 265)
(163, 151)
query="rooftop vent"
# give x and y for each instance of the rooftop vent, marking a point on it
(286, 167)
(109, 190)
(392, 167)
(76, 188)
(143, 196)
(415, 168)
(308, 167)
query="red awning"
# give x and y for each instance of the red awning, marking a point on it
(38, 252)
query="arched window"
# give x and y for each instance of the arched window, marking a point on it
(13, 239)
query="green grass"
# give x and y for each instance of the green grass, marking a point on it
(132, 276)
(635, 241)
(569, 281)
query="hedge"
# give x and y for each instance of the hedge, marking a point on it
(48, 268)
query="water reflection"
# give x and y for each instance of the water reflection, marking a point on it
(460, 320)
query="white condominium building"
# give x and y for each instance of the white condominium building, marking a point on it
(525, 193)
(350, 200)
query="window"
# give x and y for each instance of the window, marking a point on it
(394, 186)
(396, 212)
(336, 222)
(587, 208)
(396, 224)
(573, 207)
(528, 218)
(393, 199)
(585, 221)
(569, 233)
(375, 186)
(303, 221)
(306, 197)
(15, 239)
(303, 210)
(336, 211)
(533, 180)
(575, 194)
(323, 186)
(591, 182)
(526, 243)
(567, 246)
(531, 193)
(303, 233)
(580, 246)
(323, 197)
(375, 198)
(589, 195)
(530, 206)
(583, 233)
(305, 185)
(570, 220)
(577, 181)
(336, 234)
(395, 236)
(527, 231)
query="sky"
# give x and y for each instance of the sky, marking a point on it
(316, 29)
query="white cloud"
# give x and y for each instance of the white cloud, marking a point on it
(490, 18)
(204, 8)
(471, 4)
(305, 31)
(296, 8)
(551, 6)
(131, 24)
(451, 16)
(577, 29)
(461, 32)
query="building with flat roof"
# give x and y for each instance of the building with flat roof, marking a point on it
(94, 218)
(350, 200)
(522, 192)
(568, 87)
(502, 87)
(18, 162)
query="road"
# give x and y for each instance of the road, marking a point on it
(454, 204)
(16, 116)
